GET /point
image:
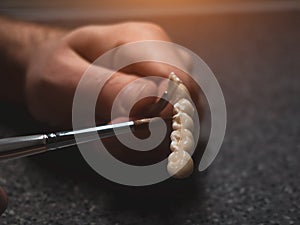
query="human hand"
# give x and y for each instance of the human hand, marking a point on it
(57, 64)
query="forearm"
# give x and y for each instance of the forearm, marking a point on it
(18, 41)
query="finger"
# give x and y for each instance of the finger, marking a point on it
(50, 95)
(88, 42)
(3, 200)
(56, 108)
(153, 59)
(130, 95)
(92, 41)
(120, 120)
(178, 62)
(163, 70)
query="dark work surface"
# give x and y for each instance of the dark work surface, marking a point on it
(255, 178)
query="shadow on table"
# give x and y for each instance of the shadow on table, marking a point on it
(68, 164)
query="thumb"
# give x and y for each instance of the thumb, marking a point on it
(126, 95)
(3, 200)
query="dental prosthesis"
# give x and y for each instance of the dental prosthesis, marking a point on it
(180, 163)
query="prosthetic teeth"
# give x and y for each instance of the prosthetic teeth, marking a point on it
(184, 105)
(182, 140)
(182, 120)
(180, 163)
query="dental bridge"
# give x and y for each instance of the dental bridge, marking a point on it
(180, 163)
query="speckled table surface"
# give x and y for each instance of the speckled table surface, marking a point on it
(255, 178)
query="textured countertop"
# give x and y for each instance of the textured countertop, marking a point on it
(254, 179)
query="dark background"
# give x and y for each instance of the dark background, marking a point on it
(255, 177)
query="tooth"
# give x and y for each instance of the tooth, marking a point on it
(181, 120)
(176, 135)
(186, 145)
(184, 105)
(182, 140)
(174, 146)
(182, 133)
(180, 164)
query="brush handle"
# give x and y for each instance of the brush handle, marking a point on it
(15, 147)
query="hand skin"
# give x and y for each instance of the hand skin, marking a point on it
(41, 67)
(3, 201)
